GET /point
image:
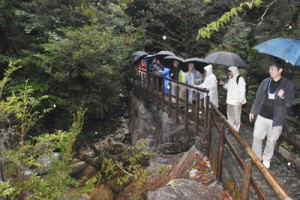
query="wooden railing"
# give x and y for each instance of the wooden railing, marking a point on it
(147, 86)
(246, 165)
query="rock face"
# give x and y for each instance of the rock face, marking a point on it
(103, 193)
(179, 189)
(166, 136)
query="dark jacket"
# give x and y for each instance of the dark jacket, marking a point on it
(280, 105)
(174, 73)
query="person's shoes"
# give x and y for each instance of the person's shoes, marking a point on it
(266, 164)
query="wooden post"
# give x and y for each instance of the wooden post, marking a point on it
(186, 107)
(277, 145)
(144, 85)
(157, 90)
(246, 179)
(151, 86)
(170, 99)
(206, 110)
(140, 83)
(197, 114)
(207, 113)
(163, 96)
(147, 89)
(208, 132)
(177, 103)
(220, 154)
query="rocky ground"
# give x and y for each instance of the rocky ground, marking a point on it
(185, 175)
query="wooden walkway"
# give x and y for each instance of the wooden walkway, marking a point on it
(285, 172)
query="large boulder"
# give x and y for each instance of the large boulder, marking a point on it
(178, 189)
(166, 135)
(78, 167)
(89, 172)
(103, 192)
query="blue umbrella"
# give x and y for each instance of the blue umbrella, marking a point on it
(284, 48)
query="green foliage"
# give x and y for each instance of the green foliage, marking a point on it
(77, 52)
(7, 76)
(287, 146)
(87, 64)
(163, 169)
(24, 105)
(36, 154)
(88, 67)
(29, 156)
(176, 19)
(130, 168)
(226, 18)
(6, 189)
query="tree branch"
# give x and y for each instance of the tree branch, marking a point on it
(263, 15)
(121, 168)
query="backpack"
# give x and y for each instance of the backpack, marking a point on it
(237, 82)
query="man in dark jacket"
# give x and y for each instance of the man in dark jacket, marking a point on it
(174, 73)
(273, 97)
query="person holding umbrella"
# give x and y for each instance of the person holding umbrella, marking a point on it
(174, 74)
(141, 68)
(177, 74)
(236, 90)
(273, 97)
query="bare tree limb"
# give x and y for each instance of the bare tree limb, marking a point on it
(263, 15)
(121, 168)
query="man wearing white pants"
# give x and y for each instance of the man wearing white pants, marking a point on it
(273, 97)
(236, 90)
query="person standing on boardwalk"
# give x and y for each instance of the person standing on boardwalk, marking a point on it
(236, 90)
(192, 77)
(174, 74)
(211, 84)
(273, 97)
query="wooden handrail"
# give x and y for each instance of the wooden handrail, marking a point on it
(177, 82)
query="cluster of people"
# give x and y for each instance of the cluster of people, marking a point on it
(274, 95)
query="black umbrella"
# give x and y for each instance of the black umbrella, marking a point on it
(161, 55)
(225, 58)
(138, 53)
(168, 61)
(148, 58)
(138, 57)
(165, 53)
(174, 58)
(199, 64)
